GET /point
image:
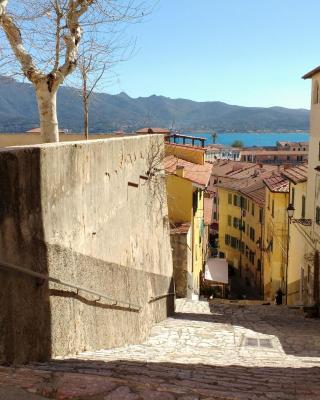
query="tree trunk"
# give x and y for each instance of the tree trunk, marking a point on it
(46, 98)
(85, 101)
(86, 117)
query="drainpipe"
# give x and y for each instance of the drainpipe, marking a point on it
(287, 258)
(261, 254)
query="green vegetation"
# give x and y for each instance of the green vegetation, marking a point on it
(237, 143)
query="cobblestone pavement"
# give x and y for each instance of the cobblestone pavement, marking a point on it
(203, 353)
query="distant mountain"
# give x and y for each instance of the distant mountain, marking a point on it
(18, 112)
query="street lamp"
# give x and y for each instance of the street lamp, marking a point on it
(301, 221)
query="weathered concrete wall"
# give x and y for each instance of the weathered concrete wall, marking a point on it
(24, 139)
(82, 212)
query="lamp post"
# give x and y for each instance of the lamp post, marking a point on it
(300, 221)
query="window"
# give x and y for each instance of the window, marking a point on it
(215, 215)
(303, 207)
(243, 227)
(234, 242)
(252, 234)
(229, 198)
(252, 209)
(229, 220)
(259, 265)
(292, 196)
(318, 215)
(243, 203)
(272, 210)
(260, 215)
(227, 239)
(236, 222)
(195, 200)
(235, 200)
(268, 201)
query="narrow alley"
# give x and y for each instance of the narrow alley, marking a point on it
(221, 351)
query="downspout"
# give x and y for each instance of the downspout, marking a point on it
(287, 258)
(261, 254)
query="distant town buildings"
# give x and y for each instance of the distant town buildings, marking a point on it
(187, 178)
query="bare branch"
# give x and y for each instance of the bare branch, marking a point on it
(13, 35)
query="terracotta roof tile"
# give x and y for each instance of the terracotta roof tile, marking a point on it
(277, 183)
(296, 174)
(179, 228)
(239, 169)
(273, 152)
(196, 173)
(253, 188)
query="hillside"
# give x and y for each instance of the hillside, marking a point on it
(18, 112)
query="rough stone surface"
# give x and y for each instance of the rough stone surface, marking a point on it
(182, 264)
(199, 354)
(85, 213)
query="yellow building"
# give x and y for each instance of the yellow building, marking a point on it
(241, 205)
(187, 176)
(312, 232)
(275, 237)
(299, 282)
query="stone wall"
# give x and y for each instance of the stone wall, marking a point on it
(85, 213)
(182, 263)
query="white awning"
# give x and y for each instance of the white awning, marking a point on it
(216, 270)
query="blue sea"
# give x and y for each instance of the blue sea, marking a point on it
(254, 139)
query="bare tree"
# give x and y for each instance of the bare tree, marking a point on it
(96, 58)
(44, 39)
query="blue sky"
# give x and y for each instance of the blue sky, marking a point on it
(244, 52)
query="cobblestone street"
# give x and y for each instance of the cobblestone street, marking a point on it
(219, 352)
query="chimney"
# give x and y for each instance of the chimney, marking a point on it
(180, 170)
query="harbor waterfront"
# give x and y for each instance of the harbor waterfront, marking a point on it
(253, 138)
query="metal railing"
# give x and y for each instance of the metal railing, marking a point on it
(161, 296)
(119, 303)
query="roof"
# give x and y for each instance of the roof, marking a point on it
(196, 173)
(311, 73)
(180, 228)
(253, 188)
(273, 152)
(154, 130)
(296, 174)
(256, 191)
(277, 183)
(207, 210)
(38, 130)
(227, 167)
(239, 169)
(287, 143)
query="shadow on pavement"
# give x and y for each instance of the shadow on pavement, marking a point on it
(131, 380)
